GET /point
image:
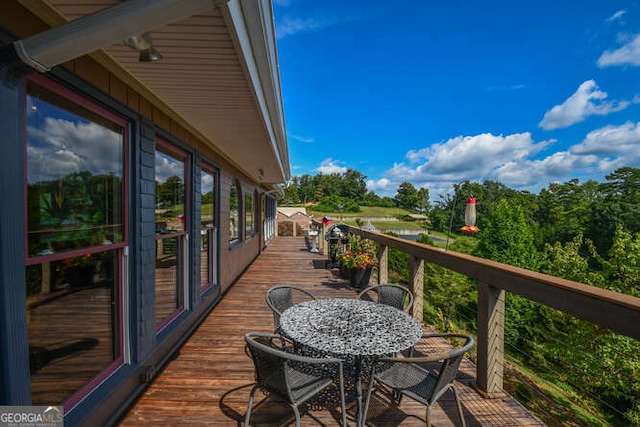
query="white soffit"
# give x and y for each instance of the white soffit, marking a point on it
(211, 77)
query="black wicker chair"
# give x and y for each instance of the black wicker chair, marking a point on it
(290, 377)
(390, 294)
(410, 377)
(279, 298)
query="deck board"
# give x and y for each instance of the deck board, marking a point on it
(209, 381)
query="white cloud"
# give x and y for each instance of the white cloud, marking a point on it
(614, 146)
(587, 101)
(382, 185)
(602, 151)
(559, 166)
(290, 26)
(167, 166)
(476, 155)
(616, 15)
(301, 138)
(611, 140)
(328, 166)
(66, 147)
(629, 54)
(461, 158)
(505, 88)
(511, 160)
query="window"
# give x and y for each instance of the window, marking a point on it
(234, 213)
(171, 226)
(249, 215)
(76, 232)
(208, 228)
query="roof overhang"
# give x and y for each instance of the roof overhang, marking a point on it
(218, 77)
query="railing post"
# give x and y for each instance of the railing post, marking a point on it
(416, 283)
(383, 264)
(490, 339)
(322, 235)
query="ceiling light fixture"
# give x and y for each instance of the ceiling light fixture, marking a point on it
(143, 44)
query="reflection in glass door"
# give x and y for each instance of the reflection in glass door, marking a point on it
(171, 231)
(208, 229)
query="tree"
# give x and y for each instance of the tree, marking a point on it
(423, 200)
(354, 186)
(371, 199)
(604, 367)
(446, 291)
(507, 237)
(306, 188)
(407, 196)
(171, 191)
(618, 206)
(565, 211)
(290, 194)
(337, 204)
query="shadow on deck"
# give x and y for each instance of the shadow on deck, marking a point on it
(210, 380)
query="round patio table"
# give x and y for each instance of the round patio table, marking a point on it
(352, 330)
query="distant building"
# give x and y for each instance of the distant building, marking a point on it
(292, 221)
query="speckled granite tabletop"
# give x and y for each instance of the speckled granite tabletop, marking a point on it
(350, 327)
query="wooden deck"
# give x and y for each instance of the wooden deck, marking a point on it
(209, 382)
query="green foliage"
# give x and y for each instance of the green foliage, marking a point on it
(446, 292)
(349, 184)
(337, 204)
(360, 253)
(507, 237)
(398, 265)
(622, 269)
(408, 197)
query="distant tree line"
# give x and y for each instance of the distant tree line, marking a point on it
(347, 191)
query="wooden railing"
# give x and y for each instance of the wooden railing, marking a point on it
(617, 312)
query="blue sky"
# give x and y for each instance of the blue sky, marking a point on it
(437, 92)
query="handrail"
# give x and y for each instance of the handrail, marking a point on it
(609, 309)
(612, 310)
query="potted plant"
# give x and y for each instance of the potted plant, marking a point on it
(359, 259)
(79, 271)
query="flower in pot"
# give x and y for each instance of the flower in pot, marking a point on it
(359, 260)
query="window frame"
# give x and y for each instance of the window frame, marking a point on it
(76, 97)
(239, 227)
(249, 231)
(111, 116)
(212, 231)
(183, 269)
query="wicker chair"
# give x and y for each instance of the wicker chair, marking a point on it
(390, 294)
(410, 377)
(290, 377)
(279, 298)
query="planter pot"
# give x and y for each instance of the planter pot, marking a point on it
(344, 271)
(359, 277)
(79, 277)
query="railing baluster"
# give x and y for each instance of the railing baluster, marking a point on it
(490, 339)
(383, 264)
(416, 282)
